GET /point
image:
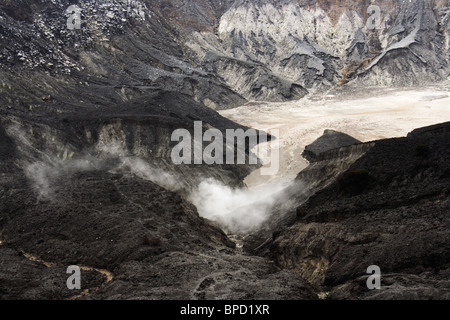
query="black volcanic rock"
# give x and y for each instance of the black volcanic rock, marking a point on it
(149, 240)
(329, 140)
(86, 177)
(398, 221)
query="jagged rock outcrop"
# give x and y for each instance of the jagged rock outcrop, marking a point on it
(388, 209)
(328, 141)
(334, 153)
(223, 54)
(317, 44)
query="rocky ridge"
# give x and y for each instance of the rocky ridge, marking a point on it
(221, 54)
(388, 208)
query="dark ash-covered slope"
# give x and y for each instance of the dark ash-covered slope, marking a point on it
(86, 118)
(389, 209)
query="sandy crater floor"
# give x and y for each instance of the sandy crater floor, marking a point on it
(365, 114)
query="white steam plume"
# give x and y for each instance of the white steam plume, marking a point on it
(145, 171)
(44, 174)
(238, 211)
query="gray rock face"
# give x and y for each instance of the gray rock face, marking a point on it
(318, 44)
(223, 54)
(127, 50)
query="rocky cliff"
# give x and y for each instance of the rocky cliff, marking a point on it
(318, 44)
(220, 53)
(387, 208)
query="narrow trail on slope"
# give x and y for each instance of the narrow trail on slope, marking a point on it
(107, 274)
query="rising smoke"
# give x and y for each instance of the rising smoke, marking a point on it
(43, 174)
(237, 211)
